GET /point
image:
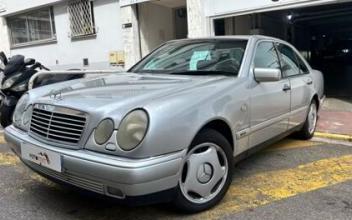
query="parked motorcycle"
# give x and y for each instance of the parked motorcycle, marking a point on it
(3, 62)
(16, 75)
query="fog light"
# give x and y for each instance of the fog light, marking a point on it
(112, 191)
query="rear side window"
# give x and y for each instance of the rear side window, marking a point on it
(266, 56)
(289, 62)
(302, 66)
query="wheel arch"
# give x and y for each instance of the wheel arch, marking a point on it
(317, 101)
(222, 127)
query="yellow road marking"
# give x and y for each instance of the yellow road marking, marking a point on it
(2, 139)
(264, 188)
(339, 137)
(8, 159)
(287, 144)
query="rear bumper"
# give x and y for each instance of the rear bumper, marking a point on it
(105, 174)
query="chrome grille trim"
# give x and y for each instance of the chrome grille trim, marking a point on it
(57, 124)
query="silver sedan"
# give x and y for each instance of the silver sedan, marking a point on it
(173, 124)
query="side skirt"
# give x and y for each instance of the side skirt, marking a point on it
(265, 144)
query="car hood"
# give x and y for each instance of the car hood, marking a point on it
(123, 91)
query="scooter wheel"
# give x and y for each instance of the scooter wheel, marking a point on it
(6, 115)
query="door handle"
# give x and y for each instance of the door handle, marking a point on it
(309, 82)
(286, 88)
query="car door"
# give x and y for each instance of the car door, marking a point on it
(270, 101)
(294, 69)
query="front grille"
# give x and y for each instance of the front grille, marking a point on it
(57, 123)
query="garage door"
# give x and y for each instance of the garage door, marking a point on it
(323, 34)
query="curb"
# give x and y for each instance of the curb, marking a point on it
(338, 137)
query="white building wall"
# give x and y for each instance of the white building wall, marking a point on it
(131, 37)
(4, 41)
(15, 6)
(157, 25)
(67, 53)
(198, 24)
(222, 8)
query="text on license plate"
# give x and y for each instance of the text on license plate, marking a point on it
(40, 156)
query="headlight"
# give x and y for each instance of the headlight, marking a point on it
(104, 131)
(9, 82)
(22, 113)
(132, 129)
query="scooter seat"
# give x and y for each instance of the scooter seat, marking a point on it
(15, 63)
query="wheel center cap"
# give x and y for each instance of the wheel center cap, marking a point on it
(205, 173)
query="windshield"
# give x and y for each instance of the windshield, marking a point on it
(195, 57)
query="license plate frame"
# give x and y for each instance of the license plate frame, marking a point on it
(42, 157)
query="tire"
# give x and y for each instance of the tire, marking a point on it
(310, 124)
(6, 115)
(207, 170)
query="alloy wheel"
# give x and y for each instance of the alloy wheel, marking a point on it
(312, 118)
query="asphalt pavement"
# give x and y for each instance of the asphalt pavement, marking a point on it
(289, 180)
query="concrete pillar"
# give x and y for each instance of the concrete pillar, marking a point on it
(131, 36)
(198, 24)
(4, 37)
(229, 26)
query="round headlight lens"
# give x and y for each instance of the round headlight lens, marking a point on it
(104, 131)
(20, 88)
(9, 82)
(21, 107)
(132, 129)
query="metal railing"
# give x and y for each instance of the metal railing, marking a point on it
(65, 72)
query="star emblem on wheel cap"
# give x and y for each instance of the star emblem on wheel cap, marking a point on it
(205, 173)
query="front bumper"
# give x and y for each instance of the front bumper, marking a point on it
(105, 174)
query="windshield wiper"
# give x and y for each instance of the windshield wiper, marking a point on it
(201, 72)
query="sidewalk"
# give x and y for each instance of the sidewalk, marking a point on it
(335, 120)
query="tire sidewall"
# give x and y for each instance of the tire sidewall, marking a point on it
(305, 133)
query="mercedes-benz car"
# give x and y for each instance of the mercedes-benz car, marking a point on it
(173, 125)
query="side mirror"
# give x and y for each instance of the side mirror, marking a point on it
(29, 61)
(267, 74)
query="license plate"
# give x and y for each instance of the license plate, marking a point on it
(42, 157)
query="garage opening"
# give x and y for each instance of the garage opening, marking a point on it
(161, 21)
(323, 34)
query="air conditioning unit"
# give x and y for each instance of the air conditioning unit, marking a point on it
(117, 58)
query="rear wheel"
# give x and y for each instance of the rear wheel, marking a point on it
(310, 124)
(206, 172)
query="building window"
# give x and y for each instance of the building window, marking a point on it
(32, 27)
(81, 18)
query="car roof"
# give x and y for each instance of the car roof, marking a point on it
(232, 37)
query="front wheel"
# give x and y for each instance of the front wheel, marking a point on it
(206, 172)
(6, 115)
(310, 124)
